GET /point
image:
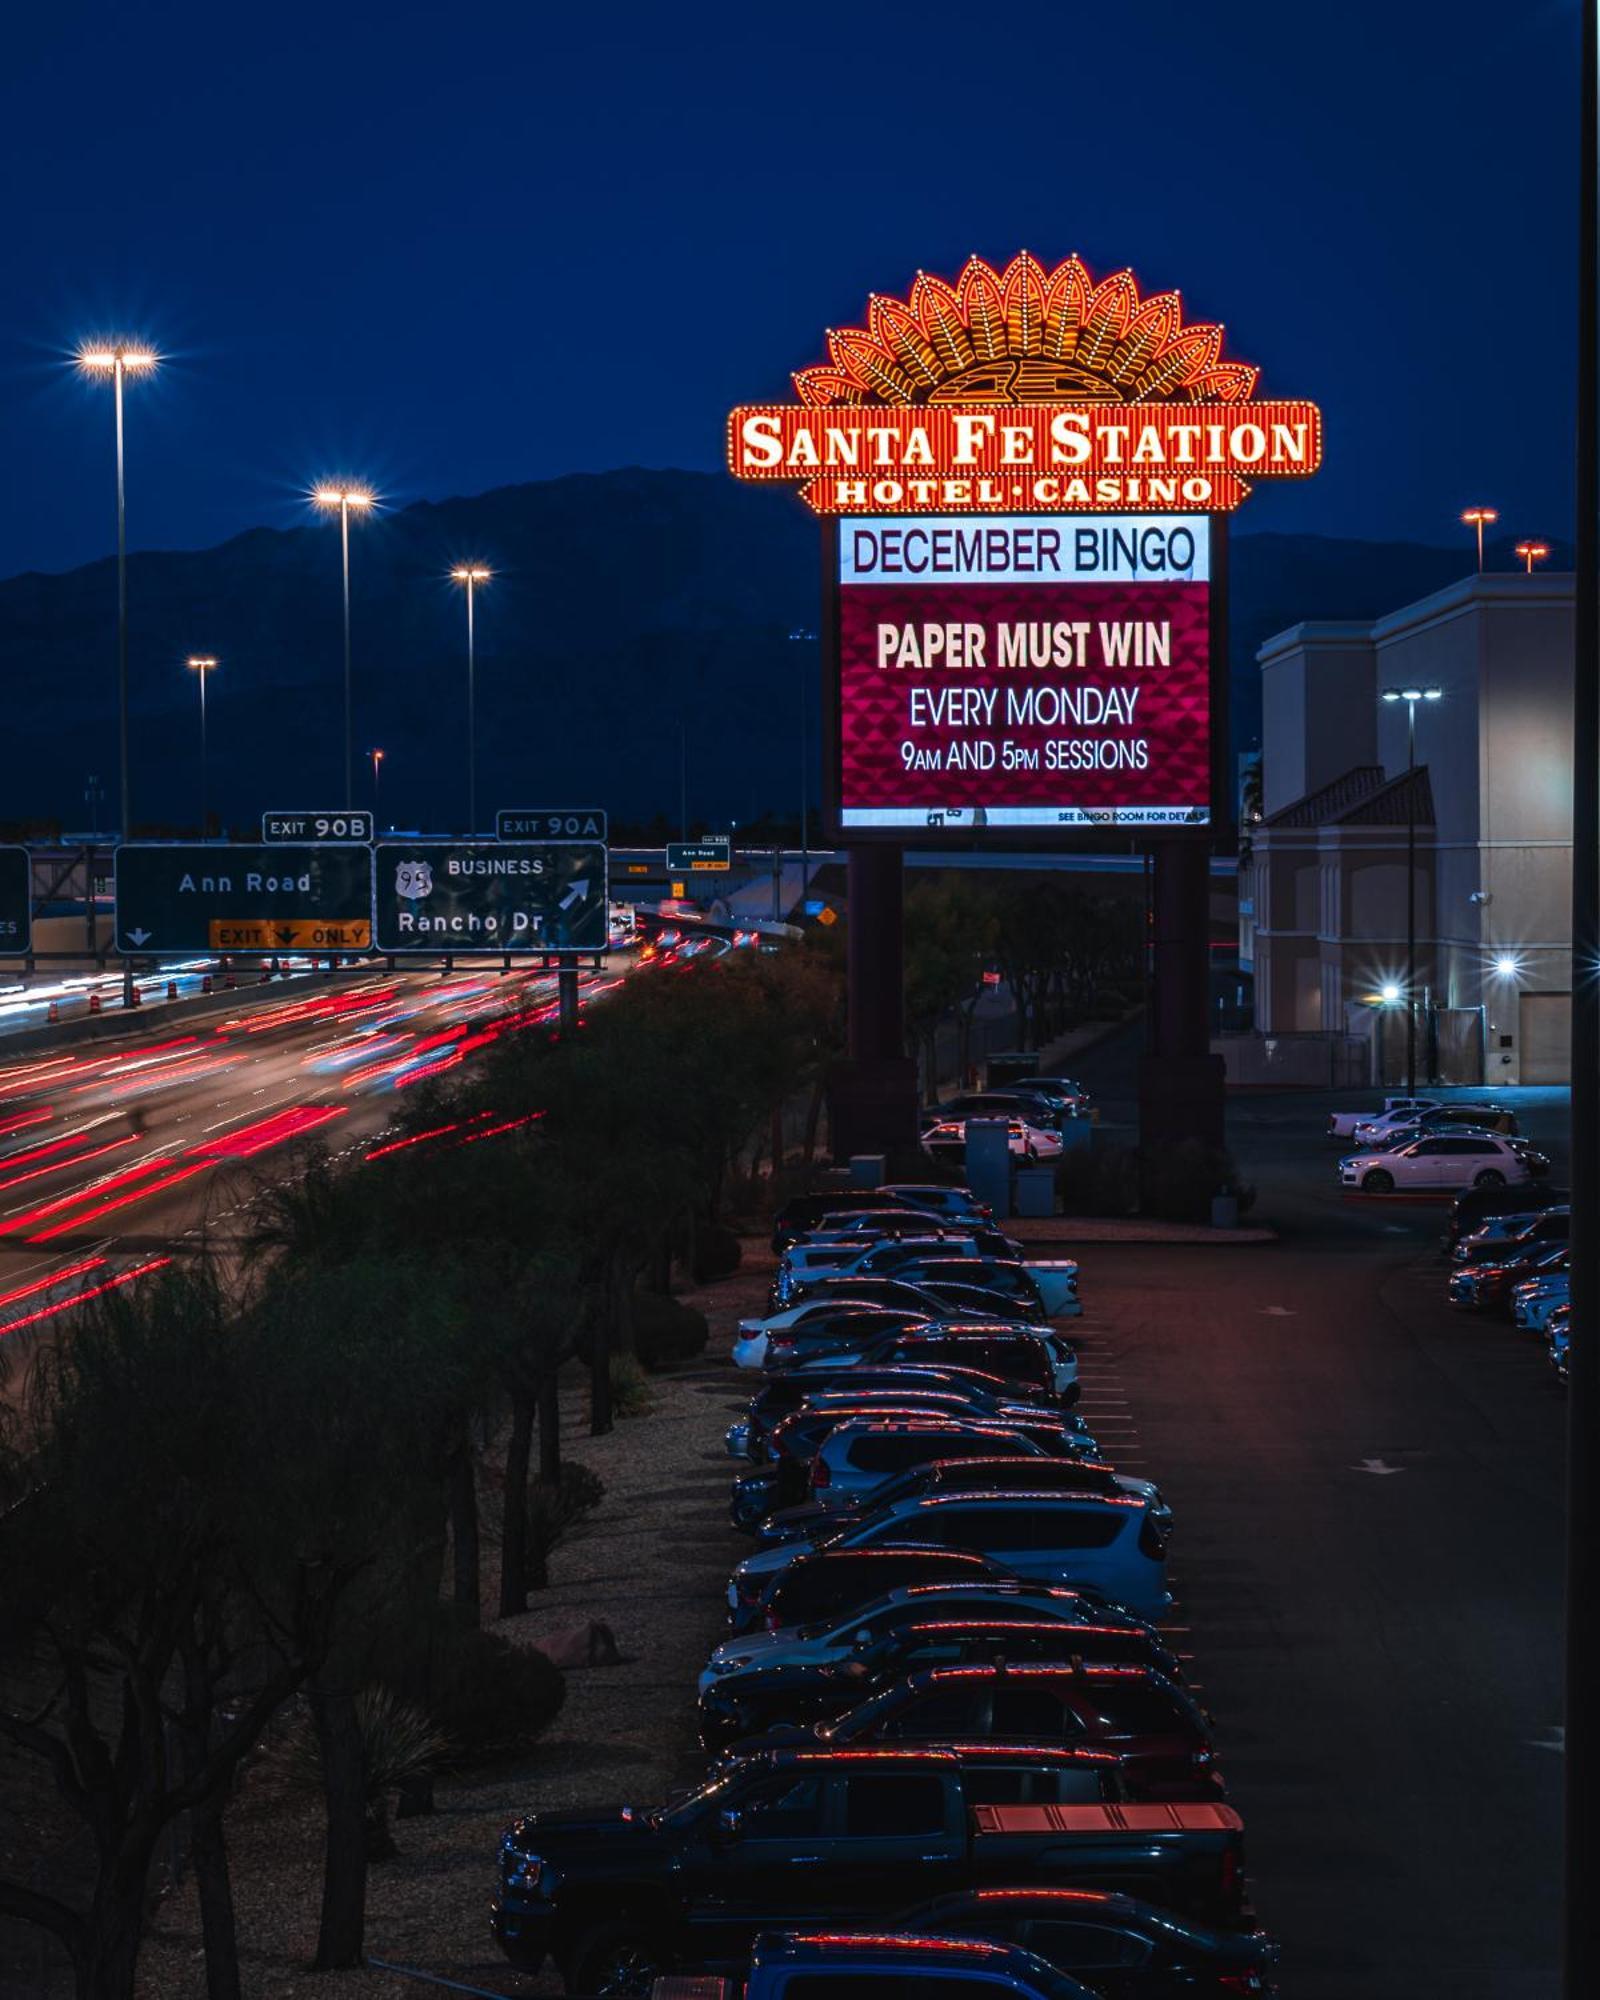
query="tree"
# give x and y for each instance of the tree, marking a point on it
(950, 932)
(164, 1547)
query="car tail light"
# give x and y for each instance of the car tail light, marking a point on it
(1240, 1982)
(773, 1622)
(1150, 1542)
(1232, 1877)
(779, 1343)
(820, 1474)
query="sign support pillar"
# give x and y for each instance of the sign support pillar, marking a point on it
(567, 997)
(872, 1095)
(1181, 1083)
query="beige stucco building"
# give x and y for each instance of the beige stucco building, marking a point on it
(1323, 895)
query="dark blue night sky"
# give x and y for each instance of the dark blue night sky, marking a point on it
(450, 248)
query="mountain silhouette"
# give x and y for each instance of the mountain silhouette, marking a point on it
(623, 605)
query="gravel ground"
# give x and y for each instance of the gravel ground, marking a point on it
(652, 1562)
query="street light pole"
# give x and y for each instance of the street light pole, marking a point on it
(346, 499)
(1476, 517)
(377, 765)
(470, 575)
(1411, 696)
(119, 361)
(202, 664)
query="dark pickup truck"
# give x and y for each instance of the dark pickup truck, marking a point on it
(828, 1838)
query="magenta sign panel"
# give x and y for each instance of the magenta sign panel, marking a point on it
(1024, 672)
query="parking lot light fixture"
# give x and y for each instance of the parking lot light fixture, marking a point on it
(1389, 993)
(1507, 965)
(1533, 552)
(1411, 696)
(1480, 518)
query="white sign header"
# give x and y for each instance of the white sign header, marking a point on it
(1027, 549)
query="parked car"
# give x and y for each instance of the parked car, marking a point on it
(1480, 1117)
(804, 1211)
(814, 1323)
(947, 1140)
(1028, 1356)
(1445, 1161)
(973, 1593)
(782, 1394)
(1157, 1729)
(1016, 1100)
(856, 1457)
(814, 1257)
(616, 1895)
(1475, 1205)
(822, 1584)
(1112, 1544)
(1499, 1233)
(1489, 1281)
(786, 1965)
(1345, 1124)
(812, 1449)
(1128, 1950)
(1053, 1473)
(953, 1203)
(1534, 1299)
(1014, 1284)
(893, 1292)
(1066, 1091)
(797, 1693)
(1558, 1335)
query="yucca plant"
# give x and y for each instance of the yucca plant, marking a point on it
(399, 1742)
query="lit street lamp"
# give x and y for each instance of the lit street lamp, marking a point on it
(377, 769)
(202, 664)
(348, 500)
(469, 576)
(1479, 518)
(119, 360)
(1411, 696)
(1532, 552)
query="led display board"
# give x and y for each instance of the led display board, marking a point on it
(1024, 479)
(1022, 673)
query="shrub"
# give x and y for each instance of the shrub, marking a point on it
(491, 1698)
(1177, 1182)
(554, 1509)
(716, 1254)
(1098, 1180)
(630, 1395)
(666, 1331)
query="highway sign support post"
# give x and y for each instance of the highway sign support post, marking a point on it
(567, 998)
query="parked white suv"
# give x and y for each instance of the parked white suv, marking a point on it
(1442, 1160)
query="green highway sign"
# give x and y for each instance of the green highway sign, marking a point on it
(16, 901)
(491, 896)
(690, 857)
(299, 827)
(551, 823)
(219, 897)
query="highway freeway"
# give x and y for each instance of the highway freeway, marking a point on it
(113, 1154)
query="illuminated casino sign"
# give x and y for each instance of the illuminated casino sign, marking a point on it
(1027, 390)
(1021, 477)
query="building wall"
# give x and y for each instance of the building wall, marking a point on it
(1316, 708)
(1494, 876)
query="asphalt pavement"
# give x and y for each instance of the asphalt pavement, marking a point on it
(1368, 1486)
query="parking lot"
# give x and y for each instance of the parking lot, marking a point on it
(1370, 1491)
